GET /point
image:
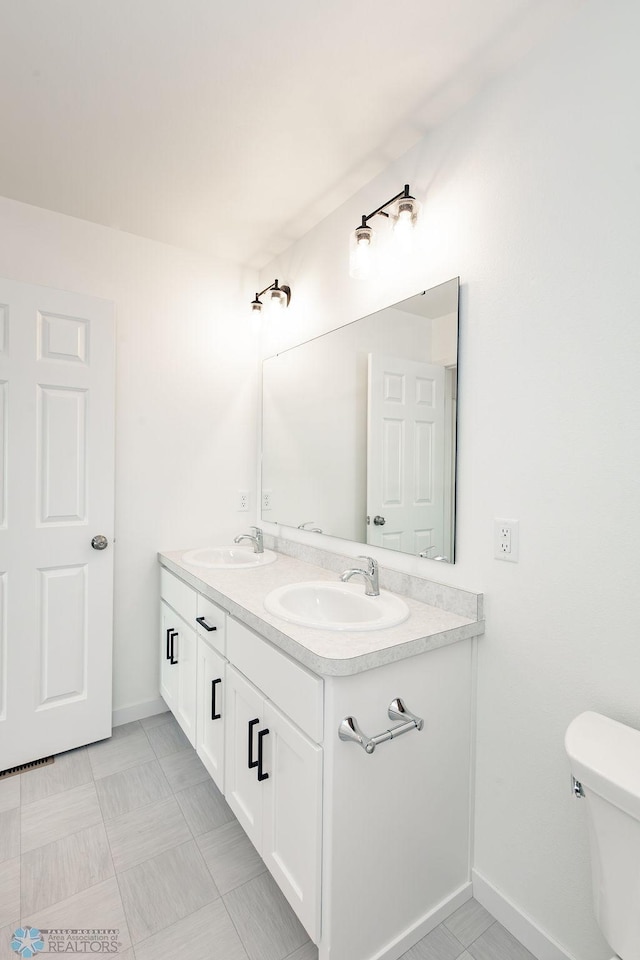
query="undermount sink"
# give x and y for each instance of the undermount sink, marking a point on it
(230, 558)
(335, 606)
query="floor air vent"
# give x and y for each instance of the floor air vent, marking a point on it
(24, 767)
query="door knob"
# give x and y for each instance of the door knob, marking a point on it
(379, 521)
(99, 542)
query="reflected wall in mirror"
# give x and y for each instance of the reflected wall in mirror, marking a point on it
(359, 429)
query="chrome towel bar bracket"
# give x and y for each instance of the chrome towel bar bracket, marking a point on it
(349, 729)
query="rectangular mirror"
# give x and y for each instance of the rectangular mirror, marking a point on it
(359, 429)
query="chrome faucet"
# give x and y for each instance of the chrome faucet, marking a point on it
(370, 575)
(306, 526)
(256, 540)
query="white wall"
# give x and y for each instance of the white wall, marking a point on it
(185, 395)
(532, 196)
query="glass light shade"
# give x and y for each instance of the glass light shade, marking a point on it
(404, 215)
(361, 253)
(256, 305)
(278, 298)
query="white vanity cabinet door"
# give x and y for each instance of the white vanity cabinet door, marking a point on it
(292, 816)
(244, 721)
(185, 652)
(168, 669)
(211, 711)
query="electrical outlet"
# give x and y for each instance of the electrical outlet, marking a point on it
(243, 500)
(266, 500)
(506, 540)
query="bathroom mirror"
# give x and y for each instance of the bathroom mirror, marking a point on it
(359, 429)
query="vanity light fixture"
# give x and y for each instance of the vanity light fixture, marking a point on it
(280, 296)
(404, 214)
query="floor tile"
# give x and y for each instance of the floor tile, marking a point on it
(468, 922)
(59, 870)
(167, 738)
(112, 756)
(267, 925)
(10, 793)
(230, 856)
(6, 932)
(100, 906)
(308, 952)
(122, 792)
(157, 718)
(204, 807)
(59, 816)
(437, 945)
(145, 833)
(207, 934)
(497, 944)
(9, 891)
(183, 769)
(165, 889)
(69, 770)
(125, 729)
(9, 834)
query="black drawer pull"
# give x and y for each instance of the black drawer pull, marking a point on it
(214, 715)
(172, 658)
(250, 761)
(203, 622)
(168, 654)
(261, 775)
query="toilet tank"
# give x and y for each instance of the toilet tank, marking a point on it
(605, 758)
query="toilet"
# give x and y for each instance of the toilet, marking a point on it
(605, 760)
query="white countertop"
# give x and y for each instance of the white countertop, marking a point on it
(331, 653)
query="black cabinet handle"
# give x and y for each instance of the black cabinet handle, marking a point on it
(214, 683)
(261, 775)
(172, 659)
(168, 654)
(250, 761)
(203, 622)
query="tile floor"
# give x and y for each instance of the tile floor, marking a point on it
(132, 834)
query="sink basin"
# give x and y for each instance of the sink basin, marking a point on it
(230, 558)
(335, 606)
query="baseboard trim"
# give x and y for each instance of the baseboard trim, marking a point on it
(519, 925)
(138, 711)
(395, 949)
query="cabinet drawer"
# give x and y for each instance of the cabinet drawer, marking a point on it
(210, 615)
(289, 685)
(179, 596)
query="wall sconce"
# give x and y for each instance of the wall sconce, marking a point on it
(404, 214)
(280, 296)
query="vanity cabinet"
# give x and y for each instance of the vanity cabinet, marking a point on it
(370, 849)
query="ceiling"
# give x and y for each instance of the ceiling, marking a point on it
(230, 128)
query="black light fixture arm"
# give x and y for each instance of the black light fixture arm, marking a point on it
(381, 209)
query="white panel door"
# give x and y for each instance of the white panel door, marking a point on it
(244, 723)
(57, 353)
(405, 454)
(185, 655)
(168, 662)
(292, 827)
(211, 711)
